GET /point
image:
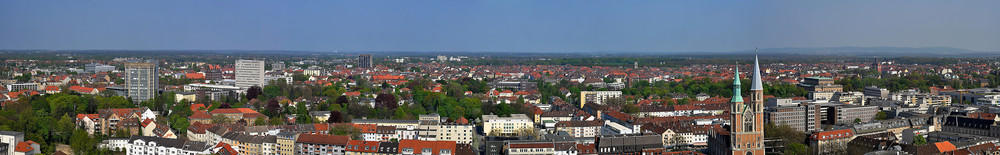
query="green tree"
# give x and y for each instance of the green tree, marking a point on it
(344, 129)
(857, 120)
(881, 115)
(81, 142)
(919, 140)
(180, 124)
(796, 149)
(260, 121)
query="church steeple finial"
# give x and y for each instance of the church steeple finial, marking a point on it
(737, 87)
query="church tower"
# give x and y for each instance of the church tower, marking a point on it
(745, 134)
(747, 118)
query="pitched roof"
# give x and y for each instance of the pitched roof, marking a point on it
(944, 146)
(24, 147)
(418, 146)
(200, 115)
(51, 88)
(195, 75)
(835, 134)
(362, 146)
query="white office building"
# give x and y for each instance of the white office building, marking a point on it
(250, 73)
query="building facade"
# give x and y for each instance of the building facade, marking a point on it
(365, 61)
(597, 97)
(141, 80)
(515, 125)
(250, 73)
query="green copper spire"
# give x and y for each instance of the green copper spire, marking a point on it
(737, 97)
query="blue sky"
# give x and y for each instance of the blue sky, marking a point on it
(501, 26)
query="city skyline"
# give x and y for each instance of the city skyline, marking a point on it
(497, 26)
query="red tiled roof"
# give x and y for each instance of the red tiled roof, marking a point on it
(24, 147)
(353, 93)
(944, 146)
(225, 147)
(51, 88)
(82, 89)
(91, 116)
(362, 146)
(195, 75)
(322, 126)
(419, 145)
(195, 107)
(200, 115)
(835, 134)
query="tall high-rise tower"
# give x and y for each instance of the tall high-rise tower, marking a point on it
(249, 73)
(141, 80)
(365, 61)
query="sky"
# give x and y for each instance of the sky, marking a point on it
(496, 26)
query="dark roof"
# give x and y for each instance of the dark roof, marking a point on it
(968, 122)
(388, 147)
(245, 138)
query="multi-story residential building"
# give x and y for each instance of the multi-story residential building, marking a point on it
(321, 144)
(277, 66)
(922, 99)
(213, 72)
(251, 144)
(141, 80)
(95, 68)
(250, 73)
(551, 117)
(597, 97)
(515, 125)
(460, 132)
(875, 91)
(580, 128)
(530, 147)
(89, 123)
(821, 84)
(831, 142)
(198, 131)
(428, 128)
(365, 61)
(278, 78)
(153, 129)
(286, 142)
(382, 133)
(360, 147)
(108, 121)
(410, 125)
(156, 145)
(9, 140)
(427, 147)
